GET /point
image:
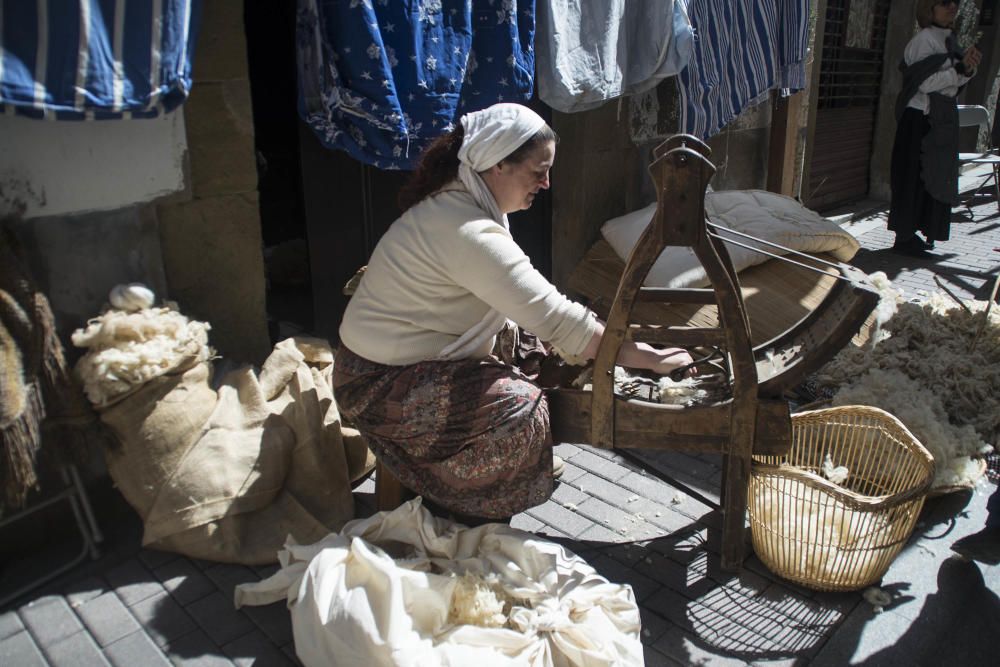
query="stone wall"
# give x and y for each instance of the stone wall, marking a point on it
(212, 248)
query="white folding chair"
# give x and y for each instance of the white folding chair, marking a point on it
(970, 115)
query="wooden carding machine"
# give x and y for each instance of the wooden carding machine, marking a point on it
(752, 415)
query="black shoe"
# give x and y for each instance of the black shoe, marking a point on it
(912, 247)
(983, 546)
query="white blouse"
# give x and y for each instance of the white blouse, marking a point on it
(437, 271)
(927, 42)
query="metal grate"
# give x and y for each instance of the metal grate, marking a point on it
(849, 73)
(848, 94)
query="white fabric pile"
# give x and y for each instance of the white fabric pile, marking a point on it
(132, 342)
(406, 588)
(764, 215)
(935, 366)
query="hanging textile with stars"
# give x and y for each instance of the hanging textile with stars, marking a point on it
(381, 79)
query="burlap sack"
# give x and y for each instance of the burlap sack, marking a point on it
(228, 475)
(156, 426)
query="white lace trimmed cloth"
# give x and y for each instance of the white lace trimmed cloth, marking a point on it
(354, 603)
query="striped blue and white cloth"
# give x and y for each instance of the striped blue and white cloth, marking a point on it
(743, 49)
(96, 59)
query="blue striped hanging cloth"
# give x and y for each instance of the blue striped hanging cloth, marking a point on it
(743, 49)
(96, 59)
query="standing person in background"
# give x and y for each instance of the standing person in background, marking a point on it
(418, 373)
(924, 169)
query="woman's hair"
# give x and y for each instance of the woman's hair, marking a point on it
(439, 163)
(925, 12)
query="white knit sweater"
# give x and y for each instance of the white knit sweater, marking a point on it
(928, 42)
(437, 271)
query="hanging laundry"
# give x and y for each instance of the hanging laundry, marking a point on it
(96, 60)
(380, 80)
(743, 49)
(591, 51)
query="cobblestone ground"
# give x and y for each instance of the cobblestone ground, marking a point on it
(135, 607)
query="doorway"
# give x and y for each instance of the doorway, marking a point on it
(322, 212)
(853, 46)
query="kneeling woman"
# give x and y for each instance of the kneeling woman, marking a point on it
(416, 372)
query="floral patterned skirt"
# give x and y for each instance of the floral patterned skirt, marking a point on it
(472, 435)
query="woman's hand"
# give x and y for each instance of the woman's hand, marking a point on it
(971, 60)
(660, 362)
(643, 356)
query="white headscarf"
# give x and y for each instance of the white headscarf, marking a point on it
(490, 135)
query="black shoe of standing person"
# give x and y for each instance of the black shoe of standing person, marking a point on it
(983, 547)
(912, 247)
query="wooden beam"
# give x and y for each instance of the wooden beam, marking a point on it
(784, 143)
(816, 53)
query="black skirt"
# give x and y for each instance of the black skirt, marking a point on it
(913, 209)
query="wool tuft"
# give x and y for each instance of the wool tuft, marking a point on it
(836, 474)
(127, 349)
(478, 601)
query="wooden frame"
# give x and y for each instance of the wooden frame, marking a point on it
(754, 418)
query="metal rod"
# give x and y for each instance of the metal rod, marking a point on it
(770, 243)
(34, 508)
(95, 530)
(837, 275)
(46, 578)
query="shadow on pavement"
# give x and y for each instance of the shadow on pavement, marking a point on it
(748, 616)
(952, 625)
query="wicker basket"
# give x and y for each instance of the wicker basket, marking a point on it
(838, 537)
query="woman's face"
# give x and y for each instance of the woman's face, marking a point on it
(515, 184)
(945, 12)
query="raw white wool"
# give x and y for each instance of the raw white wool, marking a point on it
(127, 349)
(889, 297)
(949, 352)
(680, 392)
(922, 411)
(836, 474)
(827, 537)
(476, 601)
(688, 391)
(877, 598)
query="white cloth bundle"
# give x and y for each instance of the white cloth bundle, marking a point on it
(490, 135)
(352, 603)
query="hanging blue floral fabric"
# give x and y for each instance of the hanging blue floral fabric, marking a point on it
(380, 79)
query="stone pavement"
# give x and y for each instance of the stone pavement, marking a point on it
(133, 607)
